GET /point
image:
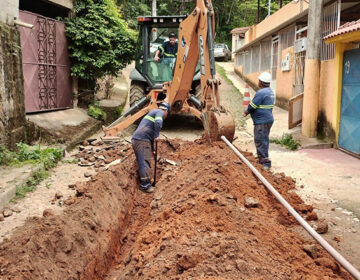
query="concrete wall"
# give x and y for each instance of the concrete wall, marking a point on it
(326, 125)
(281, 16)
(285, 80)
(64, 3)
(12, 107)
(9, 9)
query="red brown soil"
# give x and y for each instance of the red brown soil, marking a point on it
(195, 225)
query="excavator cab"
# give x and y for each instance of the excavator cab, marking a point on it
(148, 74)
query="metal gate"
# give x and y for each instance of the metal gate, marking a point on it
(349, 134)
(46, 64)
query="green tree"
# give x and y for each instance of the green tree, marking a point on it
(130, 10)
(100, 42)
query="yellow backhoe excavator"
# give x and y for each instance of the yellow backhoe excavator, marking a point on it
(196, 43)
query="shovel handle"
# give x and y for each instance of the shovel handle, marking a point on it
(155, 162)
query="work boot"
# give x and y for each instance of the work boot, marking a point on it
(148, 190)
(266, 167)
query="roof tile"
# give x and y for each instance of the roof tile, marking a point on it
(345, 28)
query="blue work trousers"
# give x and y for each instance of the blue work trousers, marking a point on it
(261, 138)
(143, 155)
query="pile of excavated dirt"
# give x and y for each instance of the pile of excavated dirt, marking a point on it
(209, 218)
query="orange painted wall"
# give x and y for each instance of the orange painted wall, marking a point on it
(281, 16)
(253, 77)
(284, 14)
(327, 90)
(285, 79)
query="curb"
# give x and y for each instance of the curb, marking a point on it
(10, 189)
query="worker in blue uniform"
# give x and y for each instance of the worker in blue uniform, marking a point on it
(260, 109)
(143, 142)
(167, 50)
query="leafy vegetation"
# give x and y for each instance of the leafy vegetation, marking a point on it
(31, 183)
(222, 73)
(45, 159)
(26, 154)
(229, 13)
(96, 112)
(100, 42)
(287, 141)
(119, 110)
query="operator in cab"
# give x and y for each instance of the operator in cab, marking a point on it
(143, 143)
(167, 50)
(260, 109)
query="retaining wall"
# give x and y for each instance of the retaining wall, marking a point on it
(12, 106)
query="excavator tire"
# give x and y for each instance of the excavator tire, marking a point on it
(137, 91)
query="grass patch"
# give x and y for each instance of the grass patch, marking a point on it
(27, 154)
(45, 159)
(96, 112)
(287, 141)
(119, 111)
(70, 161)
(30, 185)
(222, 73)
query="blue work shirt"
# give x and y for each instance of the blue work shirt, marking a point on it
(168, 50)
(150, 126)
(261, 106)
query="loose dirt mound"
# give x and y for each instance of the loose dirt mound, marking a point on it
(195, 226)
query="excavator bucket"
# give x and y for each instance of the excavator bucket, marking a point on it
(217, 124)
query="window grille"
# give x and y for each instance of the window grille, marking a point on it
(287, 37)
(247, 64)
(255, 57)
(331, 22)
(265, 55)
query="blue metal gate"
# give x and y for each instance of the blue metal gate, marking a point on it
(349, 134)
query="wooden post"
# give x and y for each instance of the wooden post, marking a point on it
(312, 69)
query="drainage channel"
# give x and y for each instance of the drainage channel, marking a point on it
(336, 255)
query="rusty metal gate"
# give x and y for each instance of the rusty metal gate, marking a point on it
(46, 64)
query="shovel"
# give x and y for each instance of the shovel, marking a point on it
(154, 183)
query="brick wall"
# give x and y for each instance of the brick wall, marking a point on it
(9, 10)
(12, 106)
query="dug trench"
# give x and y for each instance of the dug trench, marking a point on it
(209, 218)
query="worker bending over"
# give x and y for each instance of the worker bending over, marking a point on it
(143, 142)
(260, 109)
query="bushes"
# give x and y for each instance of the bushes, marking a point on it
(96, 112)
(100, 43)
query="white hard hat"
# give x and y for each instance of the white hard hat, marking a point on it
(265, 77)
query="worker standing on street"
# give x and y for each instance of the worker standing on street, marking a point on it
(143, 143)
(168, 50)
(260, 109)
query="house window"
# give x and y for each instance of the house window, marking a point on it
(255, 61)
(331, 22)
(265, 56)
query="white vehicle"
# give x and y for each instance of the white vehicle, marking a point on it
(222, 51)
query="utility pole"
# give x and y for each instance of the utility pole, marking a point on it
(153, 10)
(182, 6)
(312, 69)
(258, 12)
(269, 9)
(154, 13)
